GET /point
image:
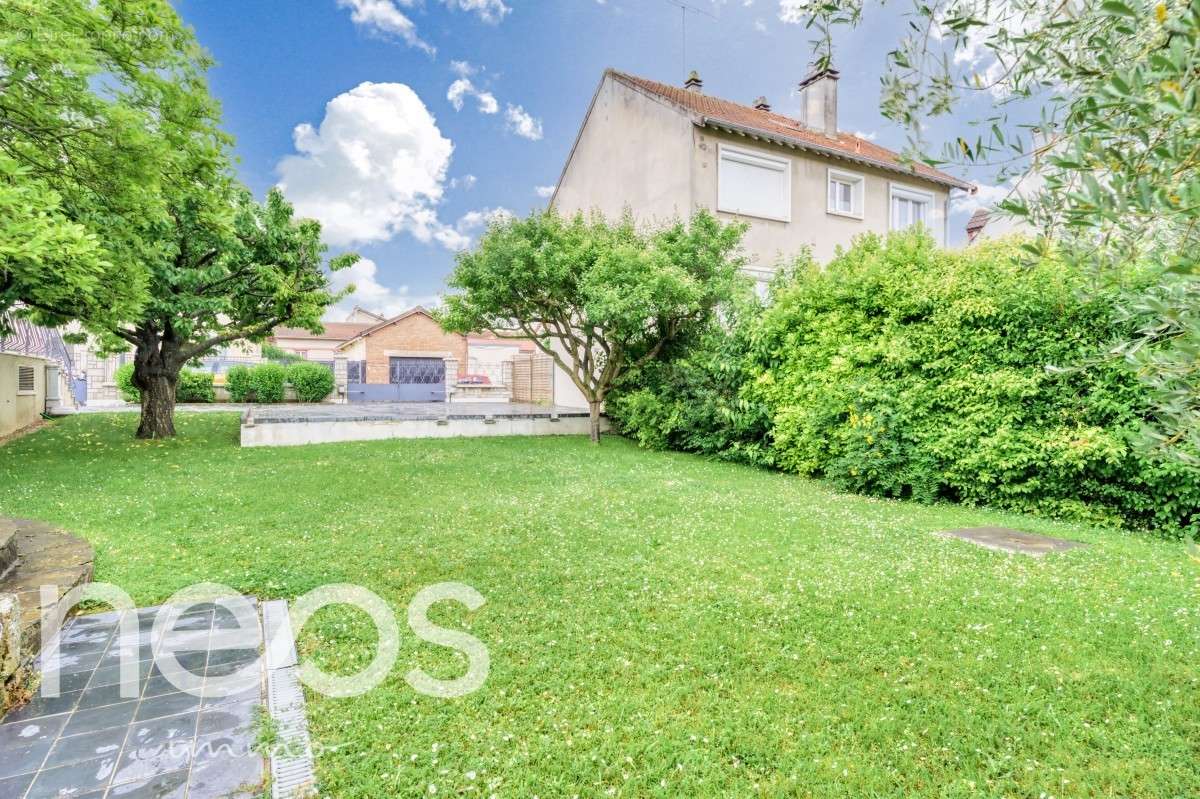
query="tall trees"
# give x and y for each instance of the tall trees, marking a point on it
(119, 205)
(221, 278)
(597, 297)
(1114, 86)
(94, 97)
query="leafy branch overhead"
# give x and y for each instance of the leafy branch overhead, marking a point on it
(1092, 118)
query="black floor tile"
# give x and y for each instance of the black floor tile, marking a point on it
(167, 705)
(101, 718)
(71, 780)
(104, 744)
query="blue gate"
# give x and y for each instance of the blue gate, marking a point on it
(409, 380)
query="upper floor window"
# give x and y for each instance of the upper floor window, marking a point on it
(845, 194)
(911, 207)
(753, 183)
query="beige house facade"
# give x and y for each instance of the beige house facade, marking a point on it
(22, 391)
(664, 152)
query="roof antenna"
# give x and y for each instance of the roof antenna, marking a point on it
(684, 10)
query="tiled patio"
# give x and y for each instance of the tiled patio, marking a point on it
(91, 741)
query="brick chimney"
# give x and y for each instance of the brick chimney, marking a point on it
(761, 104)
(818, 101)
(693, 83)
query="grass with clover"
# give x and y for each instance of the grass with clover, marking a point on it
(659, 625)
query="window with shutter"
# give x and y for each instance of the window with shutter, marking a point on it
(753, 183)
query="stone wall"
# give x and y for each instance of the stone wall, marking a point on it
(12, 673)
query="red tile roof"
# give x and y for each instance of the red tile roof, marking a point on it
(717, 112)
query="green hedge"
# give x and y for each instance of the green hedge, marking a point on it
(312, 381)
(194, 385)
(125, 387)
(904, 370)
(267, 383)
(237, 383)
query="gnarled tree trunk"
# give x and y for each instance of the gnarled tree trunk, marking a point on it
(155, 373)
(594, 412)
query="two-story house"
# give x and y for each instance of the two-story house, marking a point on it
(665, 151)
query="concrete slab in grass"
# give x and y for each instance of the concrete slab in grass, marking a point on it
(1003, 539)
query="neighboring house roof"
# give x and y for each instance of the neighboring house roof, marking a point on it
(334, 331)
(369, 329)
(735, 117)
(977, 223)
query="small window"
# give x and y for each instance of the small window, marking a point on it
(26, 380)
(753, 183)
(845, 194)
(911, 207)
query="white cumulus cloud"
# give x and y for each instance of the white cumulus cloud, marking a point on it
(545, 191)
(371, 294)
(382, 17)
(474, 220)
(488, 10)
(375, 167)
(463, 88)
(522, 124)
(796, 11)
(985, 197)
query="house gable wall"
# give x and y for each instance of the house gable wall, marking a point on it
(416, 335)
(631, 152)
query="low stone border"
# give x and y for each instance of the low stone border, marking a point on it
(32, 554)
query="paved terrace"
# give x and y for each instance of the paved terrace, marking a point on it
(153, 739)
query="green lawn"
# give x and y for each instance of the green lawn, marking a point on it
(660, 625)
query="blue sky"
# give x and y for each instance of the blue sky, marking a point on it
(424, 167)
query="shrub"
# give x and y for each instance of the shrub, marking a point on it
(194, 386)
(688, 399)
(266, 383)
(312, 381)
(275, 353)
(124, 380)
(237, 383)
(904, 370)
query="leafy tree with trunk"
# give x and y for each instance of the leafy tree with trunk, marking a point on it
(234, 270)
(96, 97)
(598, 297)
(1091, 118)
(119, 206)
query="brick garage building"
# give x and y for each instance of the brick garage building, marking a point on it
(414, 334)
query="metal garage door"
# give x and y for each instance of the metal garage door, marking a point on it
(409, 380)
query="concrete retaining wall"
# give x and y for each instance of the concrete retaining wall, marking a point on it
(287, 434)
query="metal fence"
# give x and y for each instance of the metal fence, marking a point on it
(27, 338)
(486, 374)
